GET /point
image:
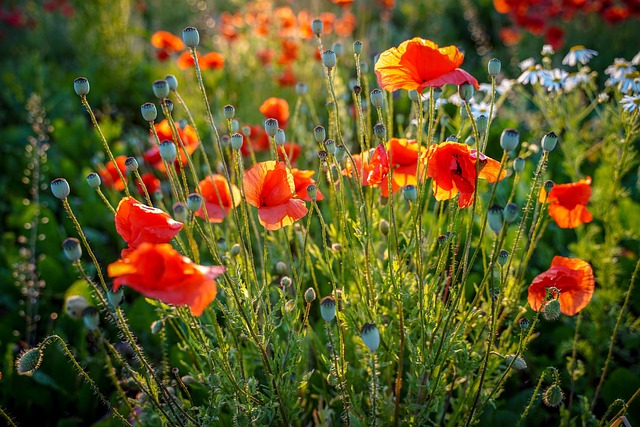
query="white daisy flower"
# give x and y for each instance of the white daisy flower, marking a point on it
(481, 109)
(554, 80)
(574, 80)
(526, 64)
(619, 68)
(631, 103)
(533, 75)
(547, 49)
(629, 82)
(636, 59)
(504, 86)
(578, 54)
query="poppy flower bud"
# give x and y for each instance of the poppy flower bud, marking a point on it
(91, 318)
(180, 212)
(75, 305)
(494, 67)
(322, 155)
(548, 186)
(414, 96)
(319, 133)
(161, 89)
(470, 141)
(168, 151)
(551, 310)
(281, 268)
(340, 153)
(168, 104)
(357, 47)
(93, 179)
(452, 138)
(225, 141)
(29, 361)
(336, 247)
(503, 257)
(188, 379)
(383, 227)
(286, 281)
(157, 326)
(271, 127)
(524, 323)
(302, 89)
(194, 202)
(317, 26)
(495, 218)
(149, 111)
(222, 244)
(377, 98)
(330, 146)
(235, 125)
(510, 212)
(518, 364)
(72, 249)
(553, 396)
(115, 298)
(312, 191)
(380, 131)
(309, 295)
(236, 249)
(338, 49)
(81, 86)
(549, 141)
(410, 192)
(329, 59)
(509, 139)
(229, 111)
(466, 91)
(191, 36)
(236, 141)
(131, 163)
(518, 164)
(280, 138)
(172, 81)
(371, 336)
(60, 188)
(328, 308)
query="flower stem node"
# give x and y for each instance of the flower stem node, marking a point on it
(180, 212)
(509, 139)
(160, 89)
(494, 66)
(551, 310)
(371, 336)
(271, 127)
(328, 308)
(131, 163)
(519, 363)
(60, 188)
(377, 98)
(410, 192)
(236, 141)
(194, 202)
(75, 305)
(168, 151)
(81, 86)
(466, 91)
(495, 218)
(549, 141)
(29, 361)
(309, 295)
(280, 137)
(191, 37)
(91, 318)
(172, 81)
(553, 396)
(72, 249)
(510, 212)
(329, 59)
(317, 26)
(357, 47)
(503, 257)
(149, 111)
(319, 133)
(229, 111)
(518, 164)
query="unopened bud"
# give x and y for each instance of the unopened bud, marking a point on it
(551, 310)
(309, 295)
(29, 361)
(115, 298)
(553, 396)
(383, 227)
(286, 281)
(518, 362)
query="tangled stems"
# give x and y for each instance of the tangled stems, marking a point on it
(549, 371)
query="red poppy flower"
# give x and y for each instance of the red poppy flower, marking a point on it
(373, 168)
(166, 41)
(270, 187)
(344, 26)
(187, 135)
(568, 203)
(292, 149)
(137, 223)
(302, 179)
(185, 60)
(217, 198)
(150, 181)
(109, 174)
(418, 63)
(452, 166)
(258, 139)
(404, 154)
(159, 271)
(276, 108)
(211, 61)
(265, 56)
(287, 78)
(289, 52)
(574, 280)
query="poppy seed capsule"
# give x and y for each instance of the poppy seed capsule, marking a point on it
(357, 89)
(160, 89)
(510, 212)
(329, 59)
(317, 26)
(309, 295)
(194, 202)
(72, 249)
(131, 163)
(229, 111)
(328, 308)
(383, 227)
(549, 141)
(280, 137)
(509, 139)
(312, 191)
(191, 36)
(553, 396)
(149, 111)
(235, 125)
(172, 81)
(340, 153)
(357, 47)
(60, 188)
(319, 133)
(168, 104)
(494, 67)
(410, 192)
(466, 91)
(91, 318)
(322, 155)
(481, 124)
(377, 98)
(236, 249)
(225, 140)
(115, 298)
(168, 151)
(548, 186)
(519, 363)
(524, 323)
(380, 131)
(470, 141)
(81, 86)
(271, 127)
(551, 310)
(452, 138)
(518, 164)
(236, 141)
(495, 218)
(413, 95)
(180, 212)
(337, 48)
(29, 361)
(503, 257)
(371, 336)
(93, 179)
(330, 146)
(301, 89)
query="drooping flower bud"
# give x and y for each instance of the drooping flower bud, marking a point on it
(371, 336)
(551, 310)
(60, 188)
(553, 396)
(29, 361)
(309, 295)
(81, 86)
(383, 227)
(191, 36)
(518, 364)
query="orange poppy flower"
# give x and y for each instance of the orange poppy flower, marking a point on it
(574, 280)
(265, 56)
(109, 174)
(217, 197)
(418, 63)
(343, 3)
(159, 271)
(276, 108)
(304, 25)
(373, 168)
(150, 182)
(187, 135)
(167, 42)
(568, 203)
(452, 165)
(404, 154)
(137, 223)
(288, 77)
(211, 61)
(270, 187)
(302, 179)
(344, 26)
(292, 149)
(289, 52)
(185, 60)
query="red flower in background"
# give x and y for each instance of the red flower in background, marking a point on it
(150, 181)
(292, 150)
(568, 203)
(373, 168)
(166, 44)
(209, 61)
(276, 108)
(159, 271)
(404, 155)
(572, 277)
(258, 139)
(187, 135)
(137, 223)
(302, 179)
(110, 176)
(270, 187)
(217, 198)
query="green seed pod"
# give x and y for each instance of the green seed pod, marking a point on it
(60, 188)
(149, 111)
(330, 146)
(191, 36)
(309, 295)
(329, 59)
(236, 249)
(81, 86)
(494, 67)
(319, 133)
(340, 153)
(414, 96)
(312, 191)
(280, 138)
(194, 202)
(518, 164)
(380, 131)
(519, 363)
(29, 361)
(322, 155)
(503, 257)
(168, 104)
(168, 151)
(495, 218)
(524, 324)
(131, 163)
(229, 111)
(470, 141)
(160, 89)
(551, 310)
(302, 89)
(281, 268)
(548, 186)
(317, 26)
(549, 141)
(510, 212)
(235, 125)
(371, 336)
(482, 122)
(338, 49)
(377, 98)
(72, 249)
(452, 138)
(357, 47)
(236, 141)
(93, 179)
(328, 308)
(115, 298)
(91, 318)
(509, 139)
(466, 91)
(410, 192)
(172, 81)
(180, 212)
(271, 127)
(157, 326)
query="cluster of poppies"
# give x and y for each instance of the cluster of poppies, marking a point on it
(168, 45)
